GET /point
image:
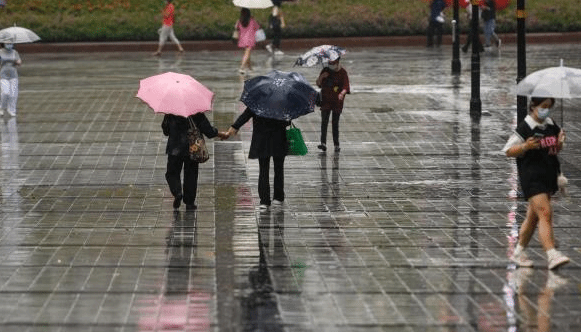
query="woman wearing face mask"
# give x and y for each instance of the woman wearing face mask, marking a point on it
(9, 60)
(334, 83)
(535, 144)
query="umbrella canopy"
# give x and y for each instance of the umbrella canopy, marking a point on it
(555, 82)
(279, 95)
(320, 54)
(253, 4)
(18, 35)
(173, 93)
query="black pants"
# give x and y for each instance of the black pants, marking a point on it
(334, 124)
(276, 36)
(264, 181)
(173, 177)
(437, 29)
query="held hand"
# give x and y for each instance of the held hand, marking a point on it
(223, 135)
(231, 131)
(342, 95)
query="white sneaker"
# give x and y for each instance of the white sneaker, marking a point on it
(278, 52)
(269, 48)
(521, 259)
(12, 113)
(556, 259)
(276, 203)
(263, 207)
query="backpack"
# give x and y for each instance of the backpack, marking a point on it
(196, 144)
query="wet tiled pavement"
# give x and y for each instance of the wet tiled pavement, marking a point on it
(408, 228)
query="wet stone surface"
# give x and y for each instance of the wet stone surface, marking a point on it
(408, 228)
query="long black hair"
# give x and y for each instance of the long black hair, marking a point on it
(245, 16)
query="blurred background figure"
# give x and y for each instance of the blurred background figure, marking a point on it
(246, 27)
(489, 17)
(436, 22)
(166, 29)
(9, 60)
(276, 24)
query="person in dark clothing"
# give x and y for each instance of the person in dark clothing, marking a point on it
(536, 143)
(334, 83)
(436, 22)
(268, 141)
(177, 150)
(276, 23)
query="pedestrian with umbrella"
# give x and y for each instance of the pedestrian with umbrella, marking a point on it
(272, 101)
(183, 100)
(536, 143)
(245, 29)
(9, 61)
(334, 83)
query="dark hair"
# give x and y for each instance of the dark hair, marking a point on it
(245, 16)
(536, 101)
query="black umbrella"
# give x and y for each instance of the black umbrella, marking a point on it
(279, 95)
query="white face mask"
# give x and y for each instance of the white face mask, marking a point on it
(543, 113)
(334, 67)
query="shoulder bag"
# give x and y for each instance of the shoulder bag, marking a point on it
(197, 145)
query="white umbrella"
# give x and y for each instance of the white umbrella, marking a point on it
(553, 82)
(255, 4)
(18, 35)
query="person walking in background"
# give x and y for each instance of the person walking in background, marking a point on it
(470, 33)
(436, 22)
(334, 83)
(9, 60)
(489, 17)
(536, 143)
(177, 150)
(167, 28)
(246, 27)
(268, 141)
(276, 23)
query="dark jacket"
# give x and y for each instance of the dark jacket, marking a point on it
(176, 128)
(268, 135)
(436, 7)
(489, 13)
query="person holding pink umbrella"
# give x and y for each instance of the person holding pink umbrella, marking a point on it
(182, 99)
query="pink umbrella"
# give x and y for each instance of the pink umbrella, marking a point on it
(173, 93)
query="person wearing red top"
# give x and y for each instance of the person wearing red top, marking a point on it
(167, 28)
(334, 83)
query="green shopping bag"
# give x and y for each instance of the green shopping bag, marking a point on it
(296, 144)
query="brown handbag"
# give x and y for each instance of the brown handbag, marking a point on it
(197, 145)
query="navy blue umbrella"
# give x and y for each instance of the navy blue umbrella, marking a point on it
(279, 95)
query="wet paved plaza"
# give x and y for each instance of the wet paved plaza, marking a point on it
(408, 228)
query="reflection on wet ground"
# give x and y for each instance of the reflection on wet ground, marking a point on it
(408, 228)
